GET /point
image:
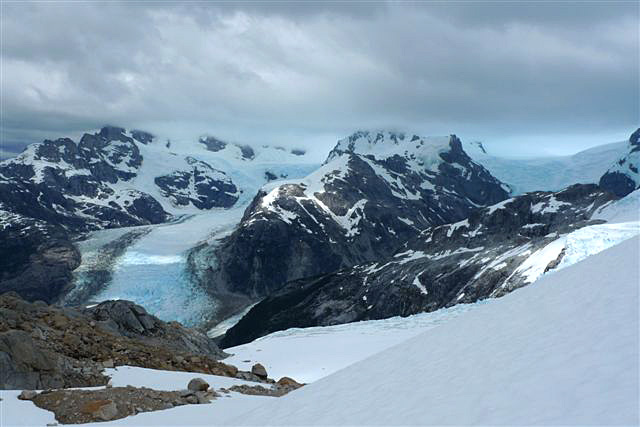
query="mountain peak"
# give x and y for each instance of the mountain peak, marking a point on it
(383, 144)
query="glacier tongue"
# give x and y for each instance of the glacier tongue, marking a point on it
(152, 272)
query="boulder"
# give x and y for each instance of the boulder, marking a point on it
(198, 384)
(27, 395)
(259, 370)
(289, 383)
(107, 412)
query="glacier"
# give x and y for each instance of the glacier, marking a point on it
(152, 269)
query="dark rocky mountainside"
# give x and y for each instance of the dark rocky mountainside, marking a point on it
(374, 192)
(624, 176)
(482, 256)
(36, 258)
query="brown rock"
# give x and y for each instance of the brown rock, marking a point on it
(27, 395)
(198, 384)
(259, 370)
(287, 382)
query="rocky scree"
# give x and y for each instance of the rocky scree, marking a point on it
(43, 346)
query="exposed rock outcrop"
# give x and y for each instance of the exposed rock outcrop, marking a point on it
(72, 184)
(130, 320)
(87, 406)
(44, 346)
(201, 185)
(36, 258)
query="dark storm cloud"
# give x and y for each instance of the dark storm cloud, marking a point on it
(308, 72)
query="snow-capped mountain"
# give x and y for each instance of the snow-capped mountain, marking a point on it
(548, 173)
(117, 178)
(492, 252)
(80, 186)
(623, 176)
(114, 178)
(374, 192)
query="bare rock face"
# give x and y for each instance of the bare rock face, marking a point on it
(286, 383)
(36, 258)
(131, 320)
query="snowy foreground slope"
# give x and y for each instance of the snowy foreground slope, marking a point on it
(562, 351)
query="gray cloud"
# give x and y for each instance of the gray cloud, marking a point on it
(305, 73)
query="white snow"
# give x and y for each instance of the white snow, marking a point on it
(562, 352)
(416, 282)
(550, 205)
(309, 354)
(577, 245)
(623, 210)
(549, 173)
(384, 144)
(500, 205)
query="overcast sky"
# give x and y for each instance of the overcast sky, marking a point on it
(538, 77)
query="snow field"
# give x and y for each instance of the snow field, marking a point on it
(562, 351)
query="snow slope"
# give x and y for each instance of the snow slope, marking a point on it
(302, 352)
(548, 173)
(623, 210)
(563, 351)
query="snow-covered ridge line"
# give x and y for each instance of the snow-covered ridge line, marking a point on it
(548, 173)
